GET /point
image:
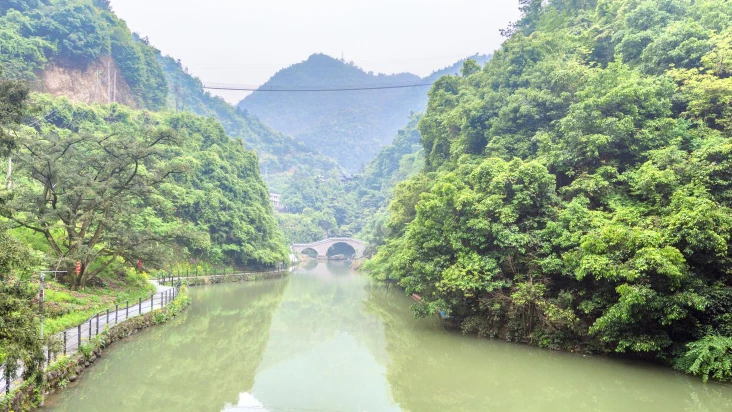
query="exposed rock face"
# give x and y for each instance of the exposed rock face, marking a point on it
(95, 84)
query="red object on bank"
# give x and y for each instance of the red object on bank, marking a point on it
(139, 264)
(78, 267)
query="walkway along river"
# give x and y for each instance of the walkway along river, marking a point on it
(71, 339)
(328, 339)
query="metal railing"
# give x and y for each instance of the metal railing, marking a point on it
(72, 339)
(184, 276)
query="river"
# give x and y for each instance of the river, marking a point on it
(328, 339)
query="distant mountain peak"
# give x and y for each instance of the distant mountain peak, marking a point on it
(348, 126)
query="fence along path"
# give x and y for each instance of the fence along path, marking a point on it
(71, 339)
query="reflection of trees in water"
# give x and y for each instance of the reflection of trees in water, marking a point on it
(433, 370)
(339, 267)
(309, 265)
(319, 304)
(205, 358)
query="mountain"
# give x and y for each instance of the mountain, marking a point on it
(278, 153)
(349, 126)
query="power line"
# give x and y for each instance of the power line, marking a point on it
(344, 89)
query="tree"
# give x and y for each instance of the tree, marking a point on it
(13, 102)
(86, 192)
(579, 191)
(81, 33)
(19, 338)
(470, 66)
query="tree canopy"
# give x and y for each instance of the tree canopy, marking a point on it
(576, 188)
(106, 183)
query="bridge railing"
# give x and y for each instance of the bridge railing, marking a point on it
(329, 240)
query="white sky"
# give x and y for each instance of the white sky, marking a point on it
(246, 41)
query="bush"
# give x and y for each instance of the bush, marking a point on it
(710, 356)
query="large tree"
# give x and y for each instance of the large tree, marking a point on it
(87, 193)
(13, 102)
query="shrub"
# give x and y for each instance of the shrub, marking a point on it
(708, 357)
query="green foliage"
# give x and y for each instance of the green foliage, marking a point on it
(19, 335)
(577, 188)
(165, 187)
(66, 309)
(75, 34)
(87, 348)
(13, 104)
(708, 357)
(78, 29)
(139, 65)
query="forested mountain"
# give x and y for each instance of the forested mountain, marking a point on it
(277, 152)
(576, 189)
(349, 126)
(97, 60)
(80, 49)
(210, 202)
(372, 190)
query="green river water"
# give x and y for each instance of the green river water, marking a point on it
(328, 339)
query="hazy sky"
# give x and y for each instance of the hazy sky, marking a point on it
(245, 42)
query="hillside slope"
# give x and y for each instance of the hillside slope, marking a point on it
(278, 152)
(86, 63)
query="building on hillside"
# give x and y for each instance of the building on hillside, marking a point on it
(275, 199)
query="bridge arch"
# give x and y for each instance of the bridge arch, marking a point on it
(341, 248)
(310, 252)
(322, 246)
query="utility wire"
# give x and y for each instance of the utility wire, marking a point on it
(344, 89)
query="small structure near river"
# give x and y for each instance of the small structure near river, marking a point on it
(321, 247)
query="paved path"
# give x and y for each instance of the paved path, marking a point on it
(72, 338)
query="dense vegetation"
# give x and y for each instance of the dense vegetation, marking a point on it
(19, 339)
(75, 34)
(320, 200)
(103, 183)
(576, 189)
(371, 192)
(330, 205)
(350, 126)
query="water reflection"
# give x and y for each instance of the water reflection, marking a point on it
(328, 339)
(200, 362)
(325, 352)
(431, 369)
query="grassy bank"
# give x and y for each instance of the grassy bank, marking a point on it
(65, 308)
(66, 369)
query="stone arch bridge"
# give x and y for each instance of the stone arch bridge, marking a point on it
(321, 247)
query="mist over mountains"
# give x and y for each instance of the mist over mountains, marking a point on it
(349, 126)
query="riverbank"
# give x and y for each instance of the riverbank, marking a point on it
(64, 369)
(224, 278)
(65, 308)
(307, 340)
